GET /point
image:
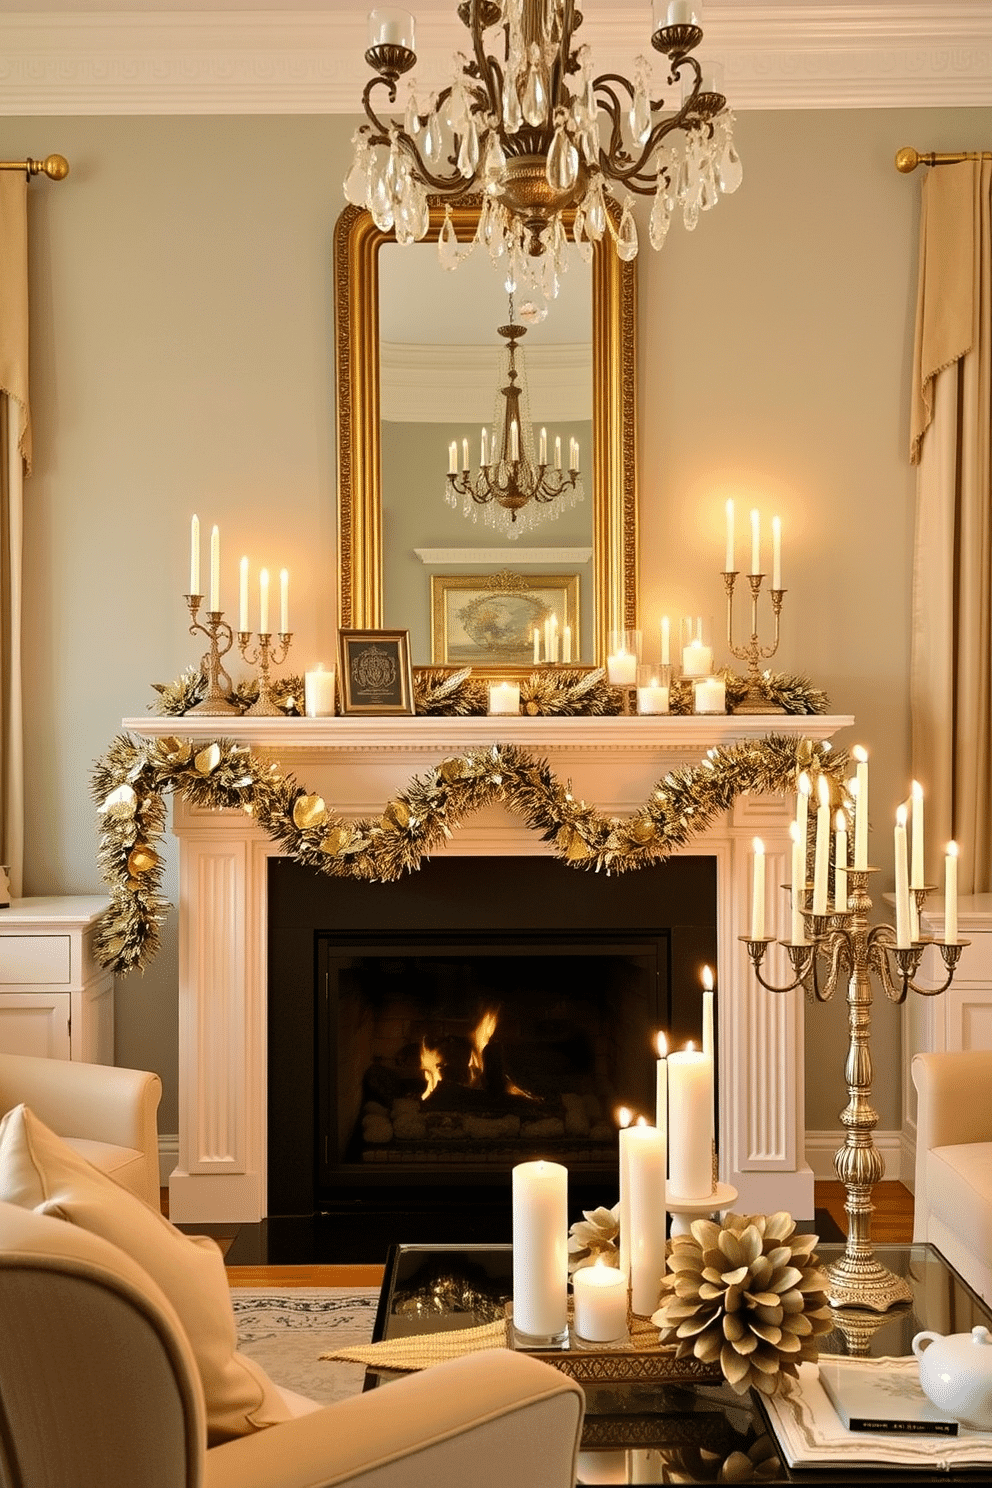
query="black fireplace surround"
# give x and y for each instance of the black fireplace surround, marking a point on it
(528, 991)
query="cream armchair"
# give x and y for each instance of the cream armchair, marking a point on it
(99, 1389)
(108, 1115)
(953, 1200)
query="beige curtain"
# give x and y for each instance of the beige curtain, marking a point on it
(951, 685)
(15, 461)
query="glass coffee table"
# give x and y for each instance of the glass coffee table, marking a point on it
(651, 1431)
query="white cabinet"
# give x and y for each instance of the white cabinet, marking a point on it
(55, 1000)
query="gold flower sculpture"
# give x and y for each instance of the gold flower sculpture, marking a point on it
(595, 1239)
(747, 1293)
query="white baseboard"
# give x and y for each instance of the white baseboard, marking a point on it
(168, 1155)
(821, 1146)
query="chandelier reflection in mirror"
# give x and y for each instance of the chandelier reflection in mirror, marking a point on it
(514, 490)
(537, 135)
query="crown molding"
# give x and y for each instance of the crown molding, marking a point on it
(789, 55)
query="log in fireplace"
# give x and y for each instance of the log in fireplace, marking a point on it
(427, 1035)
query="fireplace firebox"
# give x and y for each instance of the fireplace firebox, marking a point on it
(426, 1036)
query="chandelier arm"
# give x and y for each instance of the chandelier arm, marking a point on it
(488, 69)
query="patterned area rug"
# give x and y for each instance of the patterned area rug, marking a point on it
(286, 1329)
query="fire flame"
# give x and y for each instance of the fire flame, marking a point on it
(484, 1031)
(430, 1063)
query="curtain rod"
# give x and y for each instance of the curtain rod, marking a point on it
(55, 167)
(907, 159)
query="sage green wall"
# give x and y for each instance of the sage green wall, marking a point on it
(183, 361)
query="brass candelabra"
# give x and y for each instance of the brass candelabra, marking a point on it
(752, 651)
(217, 700)
(264, 658)
(850, 948)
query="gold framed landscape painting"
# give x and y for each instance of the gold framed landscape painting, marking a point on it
(376, 676)
(488, 620)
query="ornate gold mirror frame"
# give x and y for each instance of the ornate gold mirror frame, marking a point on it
(356, 325)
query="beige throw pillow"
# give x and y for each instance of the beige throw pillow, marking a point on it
(39, 1171)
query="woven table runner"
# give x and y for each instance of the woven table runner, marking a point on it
(421, 1350)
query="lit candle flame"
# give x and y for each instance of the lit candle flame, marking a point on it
(624, 1116)
(661, 1044)
(707, 979)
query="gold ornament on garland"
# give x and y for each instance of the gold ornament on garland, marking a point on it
(132, 779)
(747, 1293)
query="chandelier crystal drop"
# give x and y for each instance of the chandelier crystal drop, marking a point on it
(516, 486)
(527, 126)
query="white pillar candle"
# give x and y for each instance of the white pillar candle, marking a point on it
(690, 1123)
(215, 569)
(453, 457)
(661, 1085)
(194, 555)
(540, 1249)
(821, 858)
(709, 695)
(755, 543)
(284, 601)
(599, 1294)
(776, 553)
(840, 863)
(391, 28)
(652, 698)
(243, 596)
(797, 931)
(918, 875)
(758, 892)
(861, 808)
(697, 659)
(542, 453)
(951, 894)
(903, 926)
(681, 13)
(647, 1161)
(504, 697)
(537, 645)
(621, 669)
(566, 645)
(263, 601)
(624, 1117)
(729, 560)
(318, 693)
(666, 641)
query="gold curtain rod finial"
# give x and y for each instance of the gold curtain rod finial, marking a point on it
(55, 167)
(907, 159)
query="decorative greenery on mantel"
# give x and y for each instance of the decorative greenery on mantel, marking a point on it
(548, 692)
(132, 780)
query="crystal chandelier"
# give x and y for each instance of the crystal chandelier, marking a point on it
(514, 489)
(537, 135)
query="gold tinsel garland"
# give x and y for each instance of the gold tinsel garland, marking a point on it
(548, 692)
(131, 780)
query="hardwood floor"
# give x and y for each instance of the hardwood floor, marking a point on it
(892, 1224)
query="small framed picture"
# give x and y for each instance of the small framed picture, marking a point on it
(375, 671)
(489, 620)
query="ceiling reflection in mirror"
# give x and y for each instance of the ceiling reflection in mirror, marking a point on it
(420, 365)
(442, 365)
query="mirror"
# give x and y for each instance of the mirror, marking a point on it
(609, 589)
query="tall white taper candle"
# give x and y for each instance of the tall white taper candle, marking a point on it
(903, 924)
(758, 892)
(215, 569)
(194, 555)
(951, 894)
(861, 808)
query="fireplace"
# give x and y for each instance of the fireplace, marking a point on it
(232, 1037)
(469, 1018)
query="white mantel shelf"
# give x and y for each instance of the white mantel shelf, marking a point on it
(668, 734)
(358, 763)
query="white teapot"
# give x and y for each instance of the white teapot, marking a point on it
(956, 1375)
